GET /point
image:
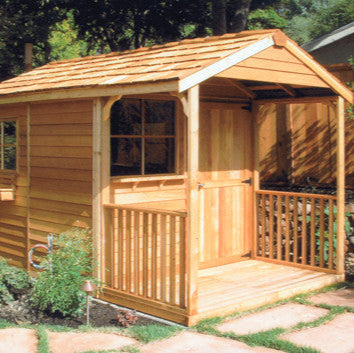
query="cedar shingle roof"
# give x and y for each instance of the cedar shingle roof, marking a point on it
(172, 61)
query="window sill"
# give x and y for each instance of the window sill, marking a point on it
(7, 194)
(136, 179)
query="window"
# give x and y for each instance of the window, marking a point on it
(142, 137)
(7, 145)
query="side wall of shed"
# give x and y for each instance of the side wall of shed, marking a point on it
(56, 194)
(13, 214)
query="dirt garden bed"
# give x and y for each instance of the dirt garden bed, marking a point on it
(101, 314)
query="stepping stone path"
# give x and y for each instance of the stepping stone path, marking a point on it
(18, 340)
(69, 342)
(284, 316)
(335, 336)
(342, 297)
(192, 342)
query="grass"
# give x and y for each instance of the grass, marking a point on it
(43, 340)
(146, 334)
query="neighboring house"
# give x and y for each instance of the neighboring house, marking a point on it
(333, 48)
(156, 149)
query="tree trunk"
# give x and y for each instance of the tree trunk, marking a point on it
(239, 19)
(219, 17)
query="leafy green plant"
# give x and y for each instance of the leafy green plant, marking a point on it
(13, 281)
(57, 288)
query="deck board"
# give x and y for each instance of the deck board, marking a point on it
(247, 284)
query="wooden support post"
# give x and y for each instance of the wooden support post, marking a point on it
(28, 213)
(96, 186)
(255, 113)
(193, 200)
(340, 186)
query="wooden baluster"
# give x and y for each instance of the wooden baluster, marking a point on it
(182, 262)
(271, 227)
(287, 229)
(163, 257)
(295, 230)
(128, 250)
(304, 232)
(279, 227)
(114, 250)
(330, 235)
(263, 224)
(154, 256)
(321, 249)
(145, 254)
(313, 233)
(136, 252)
(120, 249)
(172, 260)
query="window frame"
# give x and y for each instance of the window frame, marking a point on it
(176, 137)
(2, 145)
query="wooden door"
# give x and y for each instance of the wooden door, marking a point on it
(226, 165)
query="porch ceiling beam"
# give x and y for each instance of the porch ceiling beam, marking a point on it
(340, 186)
(289, 90)
(193, 204)
(294, 100)
(224, 64)
(249, 93)
(263, 88)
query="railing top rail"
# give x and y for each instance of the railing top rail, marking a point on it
(296, 194)
(146, 210)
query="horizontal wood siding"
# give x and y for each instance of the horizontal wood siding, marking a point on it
(61, 167)
(13, 214)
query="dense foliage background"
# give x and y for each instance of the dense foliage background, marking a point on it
(63, 29)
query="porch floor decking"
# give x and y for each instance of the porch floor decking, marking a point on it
(247, 284)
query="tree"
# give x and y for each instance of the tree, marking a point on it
(24, 21)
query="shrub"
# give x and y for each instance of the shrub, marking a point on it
(13, 281)
(57, 288)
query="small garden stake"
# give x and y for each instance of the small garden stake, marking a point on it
(89, 288)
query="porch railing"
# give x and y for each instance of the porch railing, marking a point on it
(297, 229)
(144, 256)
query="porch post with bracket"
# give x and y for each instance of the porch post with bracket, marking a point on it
(193, 230)
(340, 186)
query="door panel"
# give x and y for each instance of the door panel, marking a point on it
(226, 202)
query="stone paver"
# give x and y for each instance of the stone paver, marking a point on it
(335, 336)
(16, 340)
(285, 316)
(343, 297)
(70, 342)
(192, 342)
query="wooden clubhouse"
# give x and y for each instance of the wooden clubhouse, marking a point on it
(156, 149)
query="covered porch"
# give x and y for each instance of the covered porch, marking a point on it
(205, 240)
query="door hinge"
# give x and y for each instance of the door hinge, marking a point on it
(247, 181)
